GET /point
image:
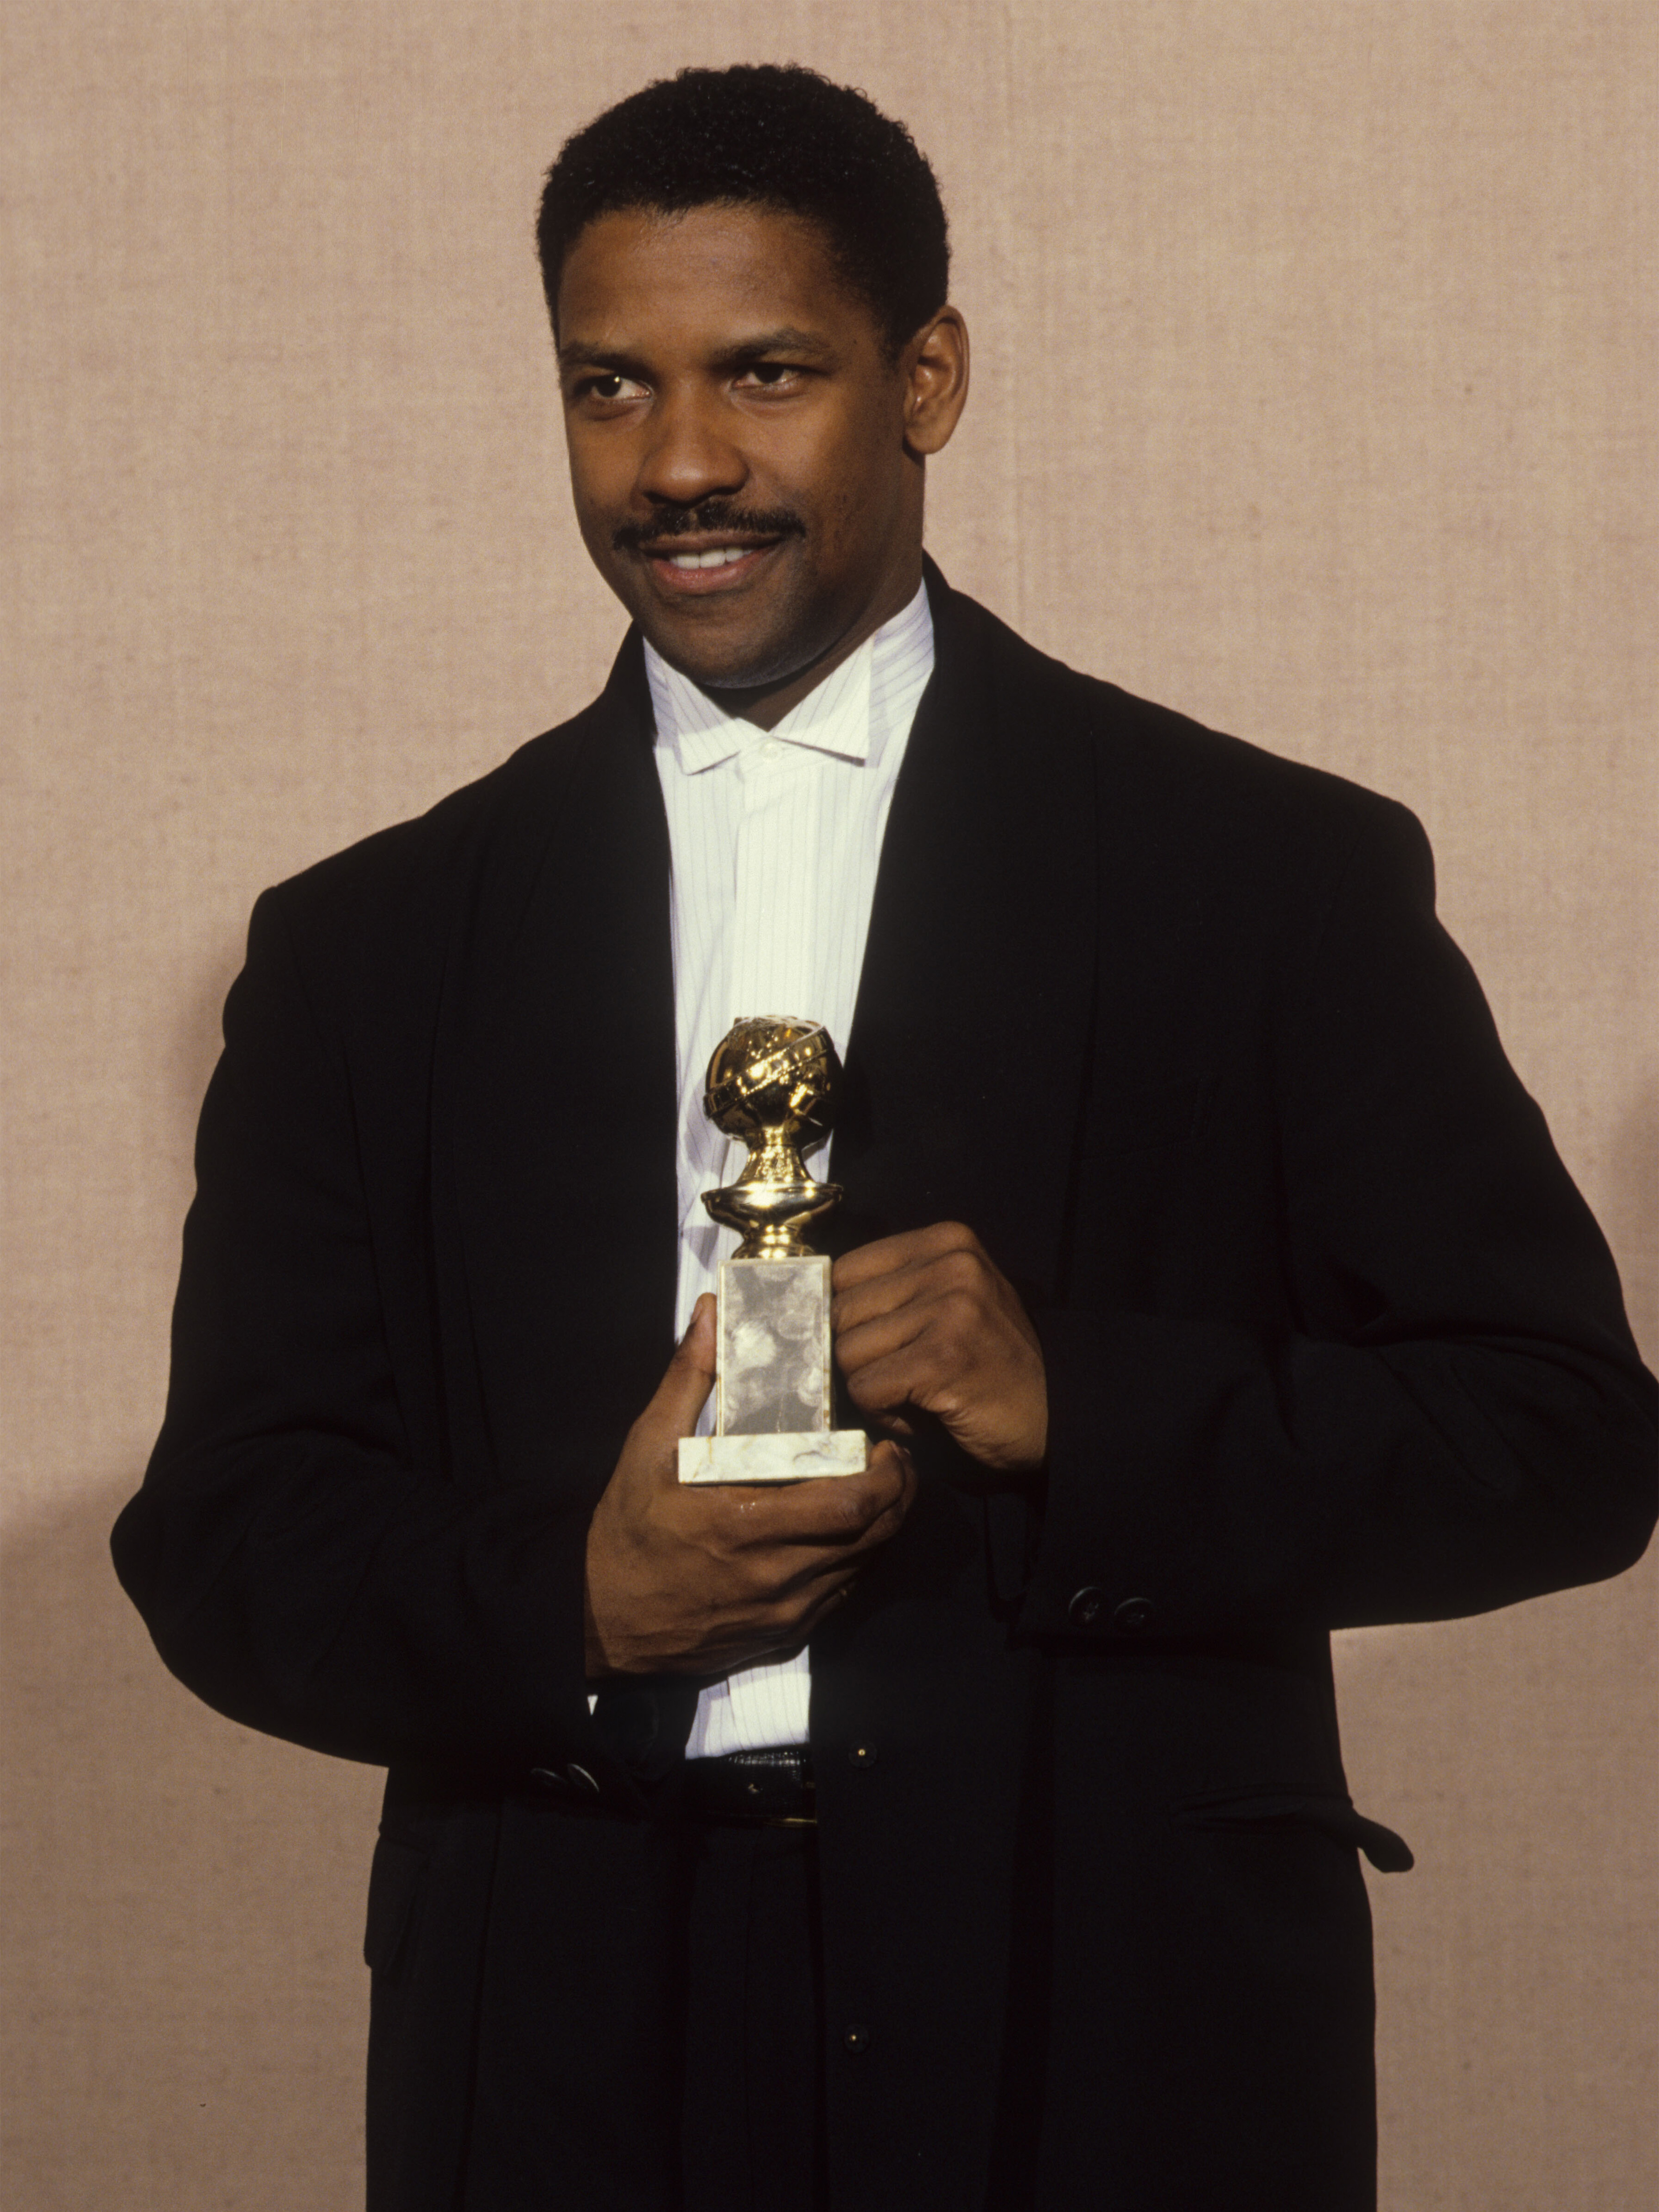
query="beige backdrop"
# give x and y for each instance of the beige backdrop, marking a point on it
(1311, 372)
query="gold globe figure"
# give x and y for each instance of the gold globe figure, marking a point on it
(772, 1082)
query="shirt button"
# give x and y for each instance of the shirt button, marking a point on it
(770, 749)
(1086, 1607)
(1134, 1613)
(856, 2037)
(861, 1754)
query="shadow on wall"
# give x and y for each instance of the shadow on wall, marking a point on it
(186, 1998)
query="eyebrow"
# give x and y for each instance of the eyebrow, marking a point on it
(785, 339)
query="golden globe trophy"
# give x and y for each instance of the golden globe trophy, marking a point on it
(772, 1082)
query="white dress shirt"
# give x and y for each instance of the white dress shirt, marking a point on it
(776, 837)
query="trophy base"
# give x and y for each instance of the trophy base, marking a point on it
(773, 1406)
(802, 1457)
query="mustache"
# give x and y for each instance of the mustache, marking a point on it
(708, 517)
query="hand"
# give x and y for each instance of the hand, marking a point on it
(925, 1320)
(704, 1578)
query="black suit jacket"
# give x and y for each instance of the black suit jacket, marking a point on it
(1331, 1338)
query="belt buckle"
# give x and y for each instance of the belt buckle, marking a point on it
(751, 1772)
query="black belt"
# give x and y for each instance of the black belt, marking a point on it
(774, 1787)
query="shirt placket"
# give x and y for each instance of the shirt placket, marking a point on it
(773, 930)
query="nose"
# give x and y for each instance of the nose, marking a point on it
(688, 455)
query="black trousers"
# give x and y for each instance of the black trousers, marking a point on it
(753, 2125)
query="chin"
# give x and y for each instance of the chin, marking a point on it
(726, 672)
(728, 662)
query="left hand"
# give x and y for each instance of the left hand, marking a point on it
(925, 1320)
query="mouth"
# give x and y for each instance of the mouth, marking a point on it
(694, 567)
(684, 571)
(718, 556)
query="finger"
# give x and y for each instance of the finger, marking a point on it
(775, 1584)
(897, 1470)
(886, 1253)
(826, 1515)
(893, 1464)
(895, 1459)
(920, 1373)
(690, 1376)
(881, 1334)
(880, 1294)
(960, 1271)
(819, 1572)
(805, 1597)
(830, 1511)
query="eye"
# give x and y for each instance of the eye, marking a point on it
(609, 384)
(770, 375)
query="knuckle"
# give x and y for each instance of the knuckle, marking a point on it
(762, 1574)
(850, 1506)
(847, 1335)
(878, 1504)
(891, 1464)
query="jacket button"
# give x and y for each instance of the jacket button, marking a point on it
(1086, 1607)
(549, 1777)
(582, 1779)
(856, 2037)
(861, 1754)
(1134, 1612)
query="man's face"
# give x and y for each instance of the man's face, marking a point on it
(741, 448)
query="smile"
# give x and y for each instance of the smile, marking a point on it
(718, 558)
(697, 571)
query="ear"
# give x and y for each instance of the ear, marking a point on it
(934, 366)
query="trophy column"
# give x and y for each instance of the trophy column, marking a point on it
(771, 1082)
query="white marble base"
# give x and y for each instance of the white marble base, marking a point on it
(798, 1458)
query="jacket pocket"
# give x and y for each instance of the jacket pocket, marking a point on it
(1334, 1815)
(395, 1882)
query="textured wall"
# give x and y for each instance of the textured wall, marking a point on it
(1311, 385)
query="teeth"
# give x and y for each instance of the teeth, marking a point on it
(718, 558)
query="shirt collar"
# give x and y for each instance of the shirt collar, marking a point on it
(845, 715)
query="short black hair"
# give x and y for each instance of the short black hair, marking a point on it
(781, 137)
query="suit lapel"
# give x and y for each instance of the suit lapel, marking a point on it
(562, 1061)
(965, 1064)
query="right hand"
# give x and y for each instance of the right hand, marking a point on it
(706, 1578)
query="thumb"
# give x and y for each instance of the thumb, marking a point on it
(690, 1376)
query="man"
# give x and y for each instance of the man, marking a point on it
(973, 1832)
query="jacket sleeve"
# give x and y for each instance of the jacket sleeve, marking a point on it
(1454, 1417)
(297, 1565)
